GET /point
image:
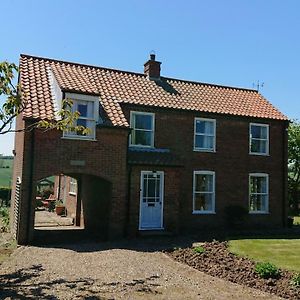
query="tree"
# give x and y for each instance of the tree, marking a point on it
(14, 105)
(294, 166)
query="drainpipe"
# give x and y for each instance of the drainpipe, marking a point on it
(127, 222)
(285, 174)
(30, 194)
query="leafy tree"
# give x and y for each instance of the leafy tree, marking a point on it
(14, 105)
(294, 166)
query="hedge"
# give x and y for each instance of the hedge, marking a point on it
(5, 194)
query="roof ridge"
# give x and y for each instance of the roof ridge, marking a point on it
(212, 84)
(80, 64)
(137, 73)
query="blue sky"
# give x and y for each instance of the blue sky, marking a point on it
(230, 42)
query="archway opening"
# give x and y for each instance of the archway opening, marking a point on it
(76, 205)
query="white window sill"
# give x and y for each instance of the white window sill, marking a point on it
(78, 138)
(259, 154)
(203, 212)
(142, 146)
(259, 213)
(73, 194)
(204, 150)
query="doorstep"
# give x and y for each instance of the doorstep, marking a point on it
(156, 232)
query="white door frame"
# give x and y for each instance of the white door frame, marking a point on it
(162, 186)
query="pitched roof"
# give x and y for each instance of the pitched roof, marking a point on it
(115, 87)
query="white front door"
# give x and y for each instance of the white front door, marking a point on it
(151, 200)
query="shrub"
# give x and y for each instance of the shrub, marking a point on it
(5, 192)
(4, 218)
(296, 280)
(199, 249)
(267, 270)
(45, 193)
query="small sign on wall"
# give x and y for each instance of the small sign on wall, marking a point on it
(78, 163)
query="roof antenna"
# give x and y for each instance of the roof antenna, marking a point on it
(258, 85)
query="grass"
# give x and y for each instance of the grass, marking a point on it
(284, 253)
(6, 173)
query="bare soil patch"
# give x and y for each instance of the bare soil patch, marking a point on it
(217, 261)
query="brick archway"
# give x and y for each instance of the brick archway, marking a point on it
(47, 154)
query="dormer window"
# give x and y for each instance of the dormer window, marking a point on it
(88, 107)
(142, 124)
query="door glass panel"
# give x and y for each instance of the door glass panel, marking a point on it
(158, 187)
(151, 188)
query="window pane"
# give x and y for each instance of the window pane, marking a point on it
(82, 108)
(258, 146)
(81, 122)
(205, 127)
(143, 121)
(258, 202)
(203, 202)
(141, 137)
(258, 185)
(204, 183)
(204, 142)
(259, 132)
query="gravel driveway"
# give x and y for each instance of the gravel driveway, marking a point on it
(109, 271)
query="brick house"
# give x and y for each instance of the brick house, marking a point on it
(162, 153)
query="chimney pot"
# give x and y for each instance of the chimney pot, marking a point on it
(152, 57)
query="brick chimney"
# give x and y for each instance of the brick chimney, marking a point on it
(152, 68)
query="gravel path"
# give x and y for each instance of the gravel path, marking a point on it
(109, 271)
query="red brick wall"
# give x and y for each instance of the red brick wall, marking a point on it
(106, 158)
(231, 162)
(53, 155)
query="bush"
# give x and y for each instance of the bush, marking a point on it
(45, 193)
(5, 192)
(296, 280)
(199, 249)
(267, 270)
(4, 218)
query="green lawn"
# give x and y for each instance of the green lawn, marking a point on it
(6, 173)
(284, 253)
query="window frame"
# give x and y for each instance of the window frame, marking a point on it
(198, 149)
(84, 98)
(132, 113)
(265, 175)
(205, 212)
(267, 139)
(72, 184)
